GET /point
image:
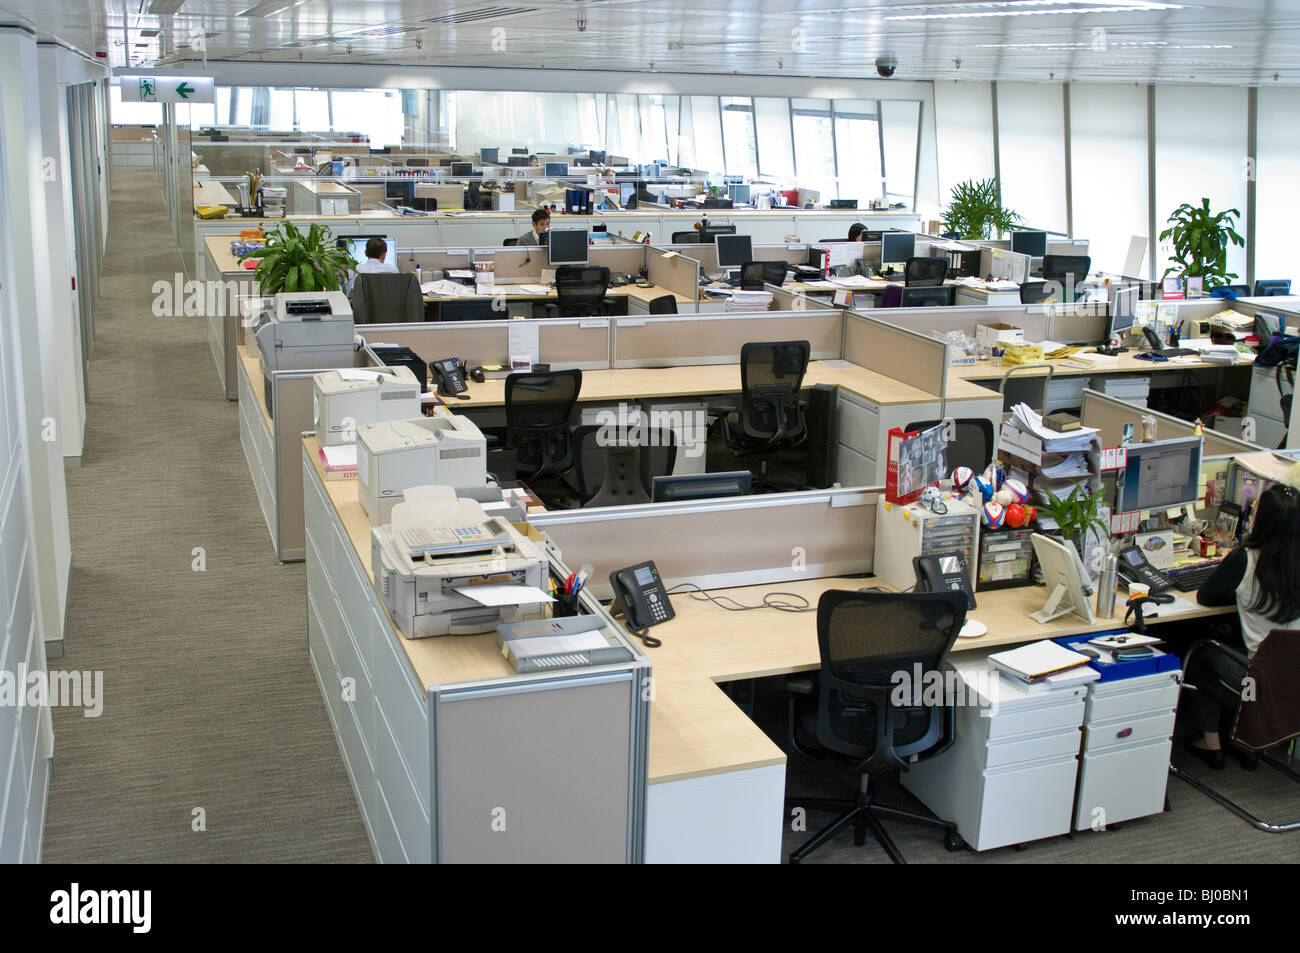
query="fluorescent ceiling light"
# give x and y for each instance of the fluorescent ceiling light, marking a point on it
(151, 32)
(1022, 8)
(1126, 45)
(269, 8)
(165, 7)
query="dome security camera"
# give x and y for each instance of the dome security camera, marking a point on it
(885, 66)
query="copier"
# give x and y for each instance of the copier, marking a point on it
(392, 456)
(438, 543)
(306, 330)
(344, 400)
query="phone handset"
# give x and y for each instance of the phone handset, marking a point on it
(451, 377)
(945, 573)
(640, 594)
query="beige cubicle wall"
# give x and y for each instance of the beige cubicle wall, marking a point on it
(707, 254)
(896, 351)
(681, 340)
(1110, 414)
(563, 343)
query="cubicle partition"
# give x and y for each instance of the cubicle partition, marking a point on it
(1111, 414)
(707, 254)
(904, 354)
(681, 340)
(563, 343)
(1035, 319)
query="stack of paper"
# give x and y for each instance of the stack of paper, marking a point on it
(853, 281)
(1025, 418)
(445, 288)
(1037, 661)
(749, 301)
(1071, 465)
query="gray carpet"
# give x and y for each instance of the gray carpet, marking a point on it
(209, 698)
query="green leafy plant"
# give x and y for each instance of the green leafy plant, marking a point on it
(1200, 242)
(1076, 514)
(976, 212)
(294, 261)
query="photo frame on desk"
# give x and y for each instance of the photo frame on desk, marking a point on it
(917, 459)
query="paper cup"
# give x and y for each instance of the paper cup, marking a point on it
(1137, 590)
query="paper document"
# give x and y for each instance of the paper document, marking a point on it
(838, 365)
(851, 281)
(842, 253)
(459, 273)
(340, 457)
(447, 289)
(1037, 659)
(504, 595)
(360, 374)
(1026, 419)
(522, 340)
(563, 644)
(535, 289)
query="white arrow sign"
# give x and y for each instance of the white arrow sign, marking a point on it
(168, 89)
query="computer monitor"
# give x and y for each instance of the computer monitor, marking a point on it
(596, 157)
(461, 170)
(897, 247)
(401, 191)
(932, 296)
(1031, 243)
(1272, 287)
(355, 245)
(734, 250)
(1123, 307)
(844, 203)
(1159, 475)
(709, 232)
(1064, 574)
(517, 160)
(568, 246)
(740, 194)
(488, 156)
(555, 170)
(702, 486)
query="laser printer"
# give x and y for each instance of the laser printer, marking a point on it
(438, 543)
(343, 400)
(306, 331)
(392, 456)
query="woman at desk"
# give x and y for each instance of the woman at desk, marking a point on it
(857, 233)
(1262, 577)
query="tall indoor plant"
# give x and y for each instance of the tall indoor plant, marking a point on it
(976, 211)
(1200, 241)
(297, 261)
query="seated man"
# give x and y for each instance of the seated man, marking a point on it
(541, 222)
(376, 252)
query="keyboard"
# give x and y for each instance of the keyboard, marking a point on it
(1189, 578)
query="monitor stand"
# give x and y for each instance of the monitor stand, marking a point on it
(1053, 609)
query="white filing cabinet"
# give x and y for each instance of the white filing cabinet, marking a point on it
(1010, 775)
(1265, 406)
(1127, 733)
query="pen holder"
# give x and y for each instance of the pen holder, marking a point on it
(564, 605)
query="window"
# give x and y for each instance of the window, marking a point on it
(1031, 150)
(900, 125)
(814, 146)
(738, 135)
(654, 130)
(131, 114)
(312, 110)
(707, 128)
(858, 151)
(772, 130)
(964, 123)
(1108, 141)
(1277, 171)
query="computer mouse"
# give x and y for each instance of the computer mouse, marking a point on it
(476, 374)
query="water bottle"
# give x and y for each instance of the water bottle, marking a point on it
(1106, 586)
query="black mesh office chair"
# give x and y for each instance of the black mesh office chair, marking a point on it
(771, 417)
(846, 715)
(615, 469)
(386, 299)
(664, 304)
(580, 290)
(510, 243)
(1068, 271)
(925, 272)
(754, 275)
(686, 238)
(1036, 292)
(972, 443)
(538, 408)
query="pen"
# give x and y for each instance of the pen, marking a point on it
(568, 583)
(583, 575)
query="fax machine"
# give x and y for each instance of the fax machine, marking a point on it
(307, 330)
(344, 400)
(392, 456)
(437, 544)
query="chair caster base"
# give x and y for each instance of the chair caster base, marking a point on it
(953, 842)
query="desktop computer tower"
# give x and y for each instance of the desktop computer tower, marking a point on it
(820, 422)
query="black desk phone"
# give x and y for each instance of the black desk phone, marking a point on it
(1133, 567)
(451, 377)
(944, 573)
(644, 600)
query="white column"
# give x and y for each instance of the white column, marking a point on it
(23, 157)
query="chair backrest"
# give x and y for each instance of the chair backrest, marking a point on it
(538, 408)
(1068, 271)
(1035, 292)
(686, 238)
(1271, 717)
(972, 443)
(386, 299)
(664, 304)
(927, 296)
(771, 376)
(510, 242)
(925, 272)
(657, 456)
(774, 272)
(864, 638)
(751, 276)
(580, 288)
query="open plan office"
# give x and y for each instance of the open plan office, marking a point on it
(790, 452)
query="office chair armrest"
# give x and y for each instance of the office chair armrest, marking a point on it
(801, 684)
(1232, 651)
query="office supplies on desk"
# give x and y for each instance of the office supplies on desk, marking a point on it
(1037, 660)
(437, 548)
(907, 531)
(347, 399)
(570, 642)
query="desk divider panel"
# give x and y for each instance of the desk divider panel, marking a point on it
(667, 341)
(707, 255)
(927, 320)
(1111, 414)
(562, 342)
(696, 542)
(896, 352)
(673, 272)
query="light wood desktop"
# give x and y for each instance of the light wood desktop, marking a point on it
(1125, 363)
(212, 192)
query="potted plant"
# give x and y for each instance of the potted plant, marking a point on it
(1075, 515)
(294, 261)
(976, 211)
(1200, 242)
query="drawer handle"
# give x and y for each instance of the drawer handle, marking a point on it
(1123, 732)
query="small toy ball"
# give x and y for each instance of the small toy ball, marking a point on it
(993, 515)
(1017, 489)
(995, 476)
(961, 478)
(981, 486)
(1003, 497)
(1015, 516)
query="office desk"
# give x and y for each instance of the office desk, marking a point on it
(212, 192)
(1124, 364)
(225, 325)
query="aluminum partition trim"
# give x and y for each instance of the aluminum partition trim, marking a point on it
(706, 359)
(1252, 161)
(843, 496)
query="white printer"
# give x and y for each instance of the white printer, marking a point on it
(307, 330)
(346, 399)
(393, 456)
(437, 544)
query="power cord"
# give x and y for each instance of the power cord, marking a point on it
(781, 601)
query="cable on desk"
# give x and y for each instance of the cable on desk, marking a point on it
(795, 603)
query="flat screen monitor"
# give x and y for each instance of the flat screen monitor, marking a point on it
(1064, 575)
(462, 169)
(1033, 244)
(702, 486)
(625, 192)
(489, 156)
(1123, 307)
(897, 247)
(1159, 475)
(402, 191)
(516, 151)
(356, 247)
(568, 246)
(555, 170)
(740, 194)
(596, 157)
(734, 250)
(1272, 287)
